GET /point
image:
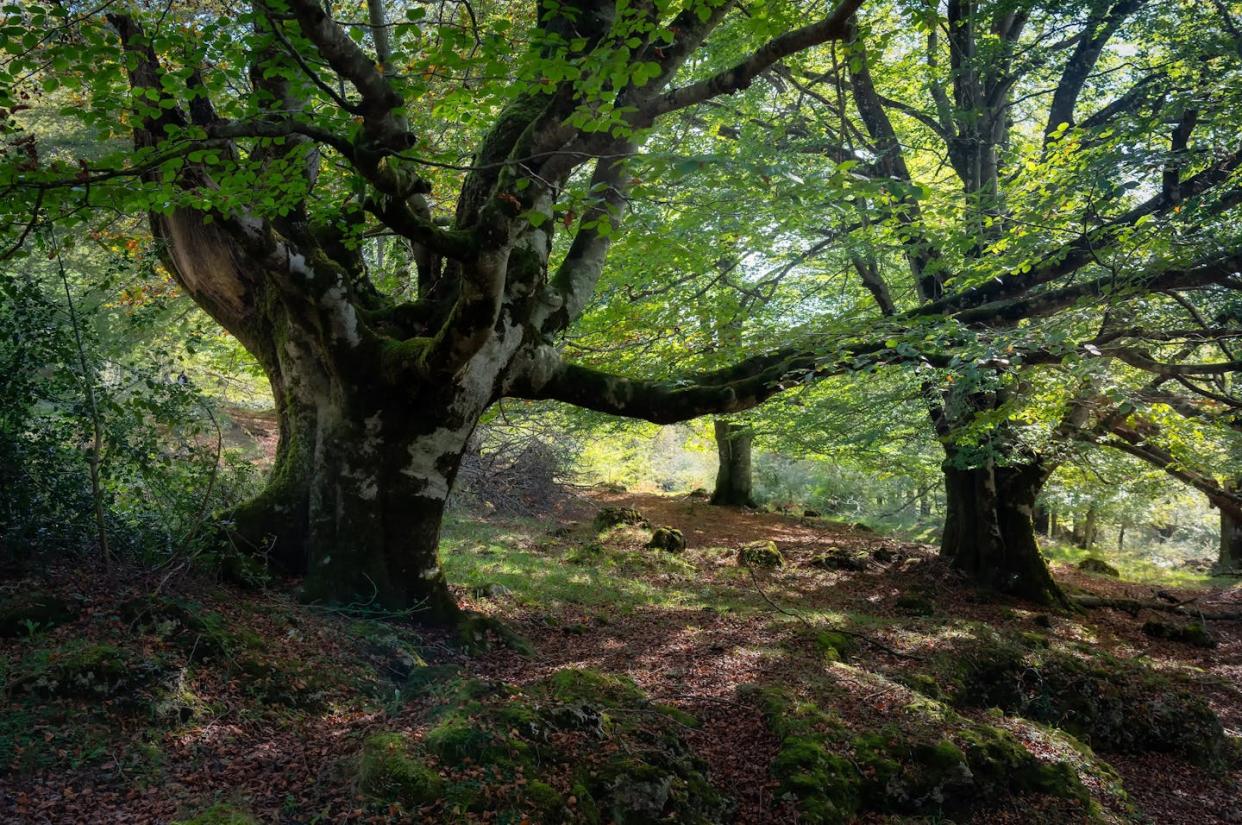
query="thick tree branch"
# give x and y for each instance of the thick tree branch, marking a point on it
(1100, 29)
(740, 76)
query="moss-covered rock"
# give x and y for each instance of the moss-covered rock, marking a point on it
(610, 517)
(1112, 705)
(276, 681)
(389, 771)
(838, 558)
(668, 539)
(1194, 633)
(999, 761)
(398, 657)
(34, 610)
(479, 633)
(1094, 564)
(760, 554)
(220, 814)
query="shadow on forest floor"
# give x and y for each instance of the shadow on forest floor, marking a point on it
(889, 692)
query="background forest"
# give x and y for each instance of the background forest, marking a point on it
(628, 412)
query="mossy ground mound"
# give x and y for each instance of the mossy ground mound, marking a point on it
(201, 633)
(838, 558)
(84, 670)
(1112, 705)
(955, 765)
(1093, 564)
(32, 611)
(1191, 633)
(579, 746)
(610, 517)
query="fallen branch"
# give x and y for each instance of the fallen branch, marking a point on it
(1133, 606)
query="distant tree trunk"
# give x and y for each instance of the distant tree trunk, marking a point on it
(1086, 536)
(1230, 536)
(733, 479)
(924, 504)
(1053, 526)
(989, 534)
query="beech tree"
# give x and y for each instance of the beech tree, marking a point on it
(1039, 199)
(270, 140)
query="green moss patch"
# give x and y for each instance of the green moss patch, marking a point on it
(389, 771)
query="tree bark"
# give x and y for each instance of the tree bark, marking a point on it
(363, 469)
(733, 478)
(989, 534)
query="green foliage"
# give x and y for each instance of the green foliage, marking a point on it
(164, 468)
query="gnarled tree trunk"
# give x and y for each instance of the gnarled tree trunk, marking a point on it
(989, 534)
(733, 478)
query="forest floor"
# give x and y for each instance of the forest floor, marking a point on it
(858, 681)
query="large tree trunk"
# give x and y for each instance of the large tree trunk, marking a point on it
(989, 534)
(733, 479)
(1230, 557)
(363, 469)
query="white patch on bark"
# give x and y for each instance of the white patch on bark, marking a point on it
(344, 317)
(368, 489)
(431, 572)
(425, 452)
(297, 265)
